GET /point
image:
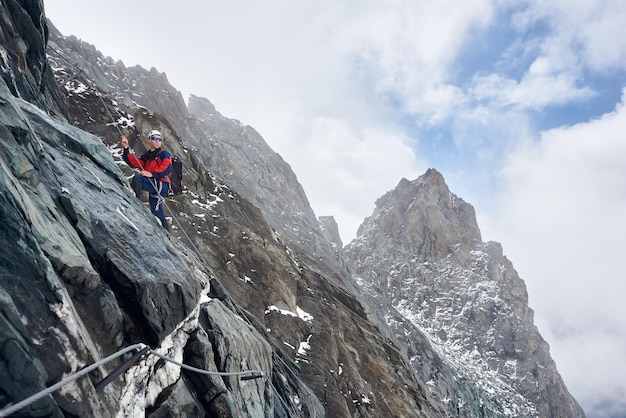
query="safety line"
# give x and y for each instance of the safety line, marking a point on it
(10, 409)
(246, 373)
(16, 407)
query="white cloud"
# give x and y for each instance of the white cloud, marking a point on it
(409, 49)
(564, 44)
(563, 218)
(589, 35)
(356, 164)
(593, 360)
(556, 89)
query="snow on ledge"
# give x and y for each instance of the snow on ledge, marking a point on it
(306, 317)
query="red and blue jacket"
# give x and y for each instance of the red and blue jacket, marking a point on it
(158, 162)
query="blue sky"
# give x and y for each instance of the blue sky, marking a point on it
(520, 104)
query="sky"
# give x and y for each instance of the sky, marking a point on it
(521, 105)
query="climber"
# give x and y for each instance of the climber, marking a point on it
(155, 167)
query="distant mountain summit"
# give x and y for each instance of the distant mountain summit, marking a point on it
(421, 260)
(422, 218)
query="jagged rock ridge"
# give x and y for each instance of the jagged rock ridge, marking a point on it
(421, 252)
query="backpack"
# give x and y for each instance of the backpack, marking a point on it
(177, 175)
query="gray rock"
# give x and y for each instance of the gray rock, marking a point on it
(421, 250)
(330, 231)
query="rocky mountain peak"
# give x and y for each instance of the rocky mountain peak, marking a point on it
(201, 107)
(422, 217)
(427, 276)
(330, 230)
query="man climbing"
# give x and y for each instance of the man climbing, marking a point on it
(155, 167)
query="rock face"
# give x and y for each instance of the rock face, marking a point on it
(422, 261)
(25, 71)
(330, 231)
(245, 281)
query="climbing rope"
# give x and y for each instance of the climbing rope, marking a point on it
(10, 409)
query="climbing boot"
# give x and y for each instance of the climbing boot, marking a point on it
(165, 224)
(135, 184)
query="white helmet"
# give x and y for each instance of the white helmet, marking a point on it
(154, 132)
